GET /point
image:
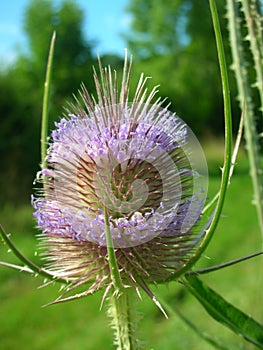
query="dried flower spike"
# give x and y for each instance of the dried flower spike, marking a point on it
(137, 162)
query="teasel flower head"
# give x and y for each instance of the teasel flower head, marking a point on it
(138, 163)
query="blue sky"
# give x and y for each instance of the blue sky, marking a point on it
(104, 22)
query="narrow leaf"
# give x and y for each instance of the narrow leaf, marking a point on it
(44, 123)
(225, 313)
(174, 313)
(223, 265)
(30, 266)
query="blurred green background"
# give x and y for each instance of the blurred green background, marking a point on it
(173, 42)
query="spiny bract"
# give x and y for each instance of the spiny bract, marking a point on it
(134, 160)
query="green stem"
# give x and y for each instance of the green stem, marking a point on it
(233, 161)
(124, 319)
(228, 121)
(226, 171)
(44, 123)
(245, 97)
(114, 271)
(255, 43)
(121, 309)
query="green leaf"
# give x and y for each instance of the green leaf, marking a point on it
(225, 313)
(174, 313)
(44, 122)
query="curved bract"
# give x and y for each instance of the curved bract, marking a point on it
(139, 163)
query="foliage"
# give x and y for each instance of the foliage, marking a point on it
(169, 42)
(20, 126)
(215, 305)
(93, 332)
(72, 57)
(22, 89)
(174, 40)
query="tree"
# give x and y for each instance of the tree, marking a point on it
(22, 89)
(174, 42)
(73, 53)
(155, 26)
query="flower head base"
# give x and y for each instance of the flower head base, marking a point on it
(139, 163)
